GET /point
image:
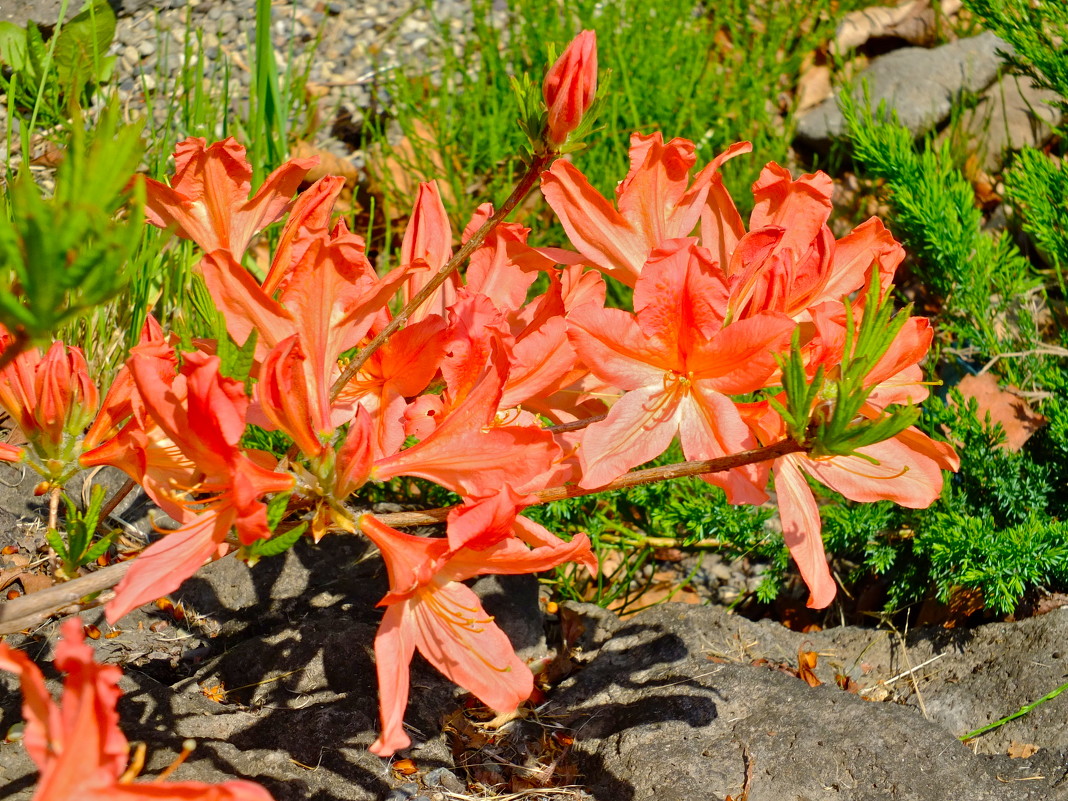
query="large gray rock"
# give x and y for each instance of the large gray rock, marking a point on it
(920, 85)
(291, 643)
(674, 708)
(677, 703)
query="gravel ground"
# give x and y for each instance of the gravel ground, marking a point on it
(356, 44)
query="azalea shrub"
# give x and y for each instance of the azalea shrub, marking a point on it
(765, 347)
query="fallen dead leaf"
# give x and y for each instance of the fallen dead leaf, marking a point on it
(1021, 750)
(572, 626)
(845, 683)
(806, 664)
(31, 582)
(963, 603)
(668, 555)
(1049, 603)
(395, 171)
(1004, 406)
(876, 694)
(50, 156)
(915, 22)
(329, 163)
(405, 767)
(813, 87)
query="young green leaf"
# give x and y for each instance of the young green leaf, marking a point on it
(57, 543)
(275, 546)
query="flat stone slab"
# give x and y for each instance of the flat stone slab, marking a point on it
(682, 702)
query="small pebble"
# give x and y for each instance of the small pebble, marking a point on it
(408, 791)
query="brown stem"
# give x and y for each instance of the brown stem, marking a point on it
(576, 425)
(526, 183)
(30, 610)
(53, 523)
(633, 479)
(53, 506)
(116, 499)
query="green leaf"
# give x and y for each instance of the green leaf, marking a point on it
(276, 509)
(101, 546)
(77, 536)
(13, 46)
(82, 45)
(36, 56)
(235, 361)
(58, 544)
(800, 395)
(274, 546)
(60, 256)
(846, 429)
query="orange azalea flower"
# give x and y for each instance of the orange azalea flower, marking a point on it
(78, 745)
(182, 443)
(471, 456)
(428, 242)
(208, 199)
(428, 609)
(906, 469)
(9, 453)
(570, 86)
(789, 261)
(678, 364)
(328, 296)
(656, 202)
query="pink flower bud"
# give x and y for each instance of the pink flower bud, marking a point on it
(570, 86)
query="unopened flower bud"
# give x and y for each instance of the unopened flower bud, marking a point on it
(570, 86)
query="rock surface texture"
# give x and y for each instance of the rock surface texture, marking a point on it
(920, 85)
(678, 703)
(681, 702)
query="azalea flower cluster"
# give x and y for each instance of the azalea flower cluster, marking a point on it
(475, 382)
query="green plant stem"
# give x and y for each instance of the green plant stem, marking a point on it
(1019, 713)
(526, 183)
(28, 132)
(642, 541)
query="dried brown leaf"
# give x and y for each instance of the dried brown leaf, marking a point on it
(31, 582)
(915, 22)
(806, 665)
(399, 170)
(329, 163)
(1018, 750)
(1004, 406)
